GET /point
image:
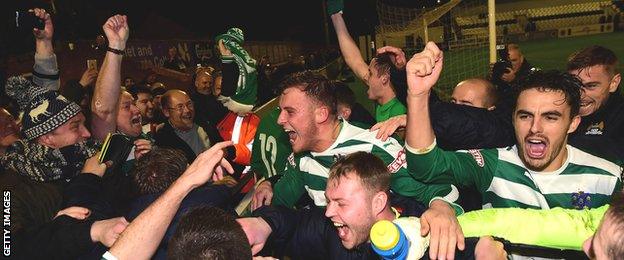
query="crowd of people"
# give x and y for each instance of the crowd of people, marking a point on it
(524, 163)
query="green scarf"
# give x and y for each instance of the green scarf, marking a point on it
(247, 86)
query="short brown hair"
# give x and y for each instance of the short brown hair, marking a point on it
(208, 233)
(315, 86)
(158, 169)
(371, 170)
(383, 63)
(591, 56)
(615, 214)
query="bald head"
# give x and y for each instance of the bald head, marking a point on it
(178, 108)
(475, 92)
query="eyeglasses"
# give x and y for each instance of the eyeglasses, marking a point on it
(180, 107)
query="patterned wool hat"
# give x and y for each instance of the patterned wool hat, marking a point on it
(44, 110)
(234, 34)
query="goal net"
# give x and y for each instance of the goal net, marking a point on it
(460, 28)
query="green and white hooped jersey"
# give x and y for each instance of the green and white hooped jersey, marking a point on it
(307, 172)
(584, 180)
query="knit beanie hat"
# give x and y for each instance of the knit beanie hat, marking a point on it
(44, 110)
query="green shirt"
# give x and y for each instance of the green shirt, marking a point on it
(389, 109)
(583, 181)
(308, 171)
(271, 146)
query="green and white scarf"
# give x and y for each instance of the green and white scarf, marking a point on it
(244, 99)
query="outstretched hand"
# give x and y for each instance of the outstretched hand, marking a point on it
(440, 222)
(205, 166)
(423, 70)
(389, 127)
(117, 31)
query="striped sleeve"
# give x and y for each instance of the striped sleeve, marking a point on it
(472, 168)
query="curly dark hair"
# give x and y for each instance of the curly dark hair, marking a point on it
(554, 80)
(158, 169)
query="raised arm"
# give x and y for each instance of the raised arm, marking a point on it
(142, 237)
(45, 70)
(423, 71)
(108, 85)
(348, 48)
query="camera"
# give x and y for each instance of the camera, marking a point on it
(503, 64)
(25, 20)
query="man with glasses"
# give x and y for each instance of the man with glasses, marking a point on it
(179, 131)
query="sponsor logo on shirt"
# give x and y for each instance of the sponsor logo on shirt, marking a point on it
(398, 162)
(595, 129)
(476, 154)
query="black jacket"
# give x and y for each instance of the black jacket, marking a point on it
(208, 110)
(36, 234)
(308, 234)
(61, 238)
(32, 203)
(602, 132)
(207, 195)
(460, 127)
(167, 138)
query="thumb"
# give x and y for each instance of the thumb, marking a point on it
(424, 227)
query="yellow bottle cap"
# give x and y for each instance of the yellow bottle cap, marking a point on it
(384, 235)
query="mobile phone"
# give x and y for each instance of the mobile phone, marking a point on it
(92, 64)
(115, 148)
(28, 20)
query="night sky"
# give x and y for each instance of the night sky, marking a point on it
(275, 20)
